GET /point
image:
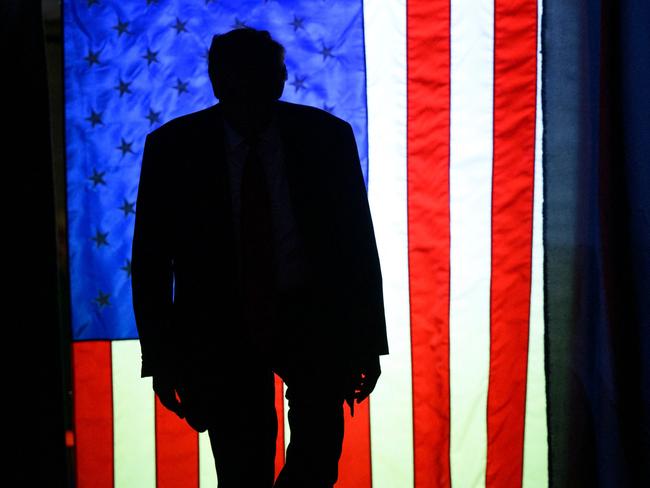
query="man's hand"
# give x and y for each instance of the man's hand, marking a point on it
(165, 387)
(361, 380)
(185, 400)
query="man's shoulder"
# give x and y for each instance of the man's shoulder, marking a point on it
(185, 124)
(307, 115)
(302, 116)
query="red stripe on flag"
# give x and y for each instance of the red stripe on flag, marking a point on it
(177, 450)
(428, 92)
(279, 410)
(93, 413)
(515, 72)
(354, 466)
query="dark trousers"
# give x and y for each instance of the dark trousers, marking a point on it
(244, 426)
(314, 393)
(316, 423)
(245, 423)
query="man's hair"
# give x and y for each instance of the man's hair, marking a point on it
(246, 61)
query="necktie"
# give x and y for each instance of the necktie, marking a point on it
(256, 249)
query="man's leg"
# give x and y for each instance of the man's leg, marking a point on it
(316, 424)
(244, 428)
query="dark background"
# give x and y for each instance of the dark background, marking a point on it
(37, 394)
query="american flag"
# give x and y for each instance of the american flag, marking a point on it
(444, 97)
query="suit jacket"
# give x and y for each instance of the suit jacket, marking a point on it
(183, 266)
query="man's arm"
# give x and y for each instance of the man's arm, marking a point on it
(359, 249)
(360, 256)
(151, 261)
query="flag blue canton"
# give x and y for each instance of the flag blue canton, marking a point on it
(130, 66)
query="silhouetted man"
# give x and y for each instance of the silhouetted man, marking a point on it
(253, 253)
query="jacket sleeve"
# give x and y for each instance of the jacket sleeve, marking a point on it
(359, 250)
(151, 261)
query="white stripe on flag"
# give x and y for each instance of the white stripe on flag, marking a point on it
(134, 434)
(535, 434)
(287, 432)
(470, 189)
(207, 469)
(391, 409)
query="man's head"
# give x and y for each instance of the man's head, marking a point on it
(247, 71)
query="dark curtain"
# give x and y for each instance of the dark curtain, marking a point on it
(596, 102)
(32, 387)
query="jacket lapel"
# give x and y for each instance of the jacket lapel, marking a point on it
(294, 160)
(214, 140)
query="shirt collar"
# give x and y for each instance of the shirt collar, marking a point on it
(235, 138)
